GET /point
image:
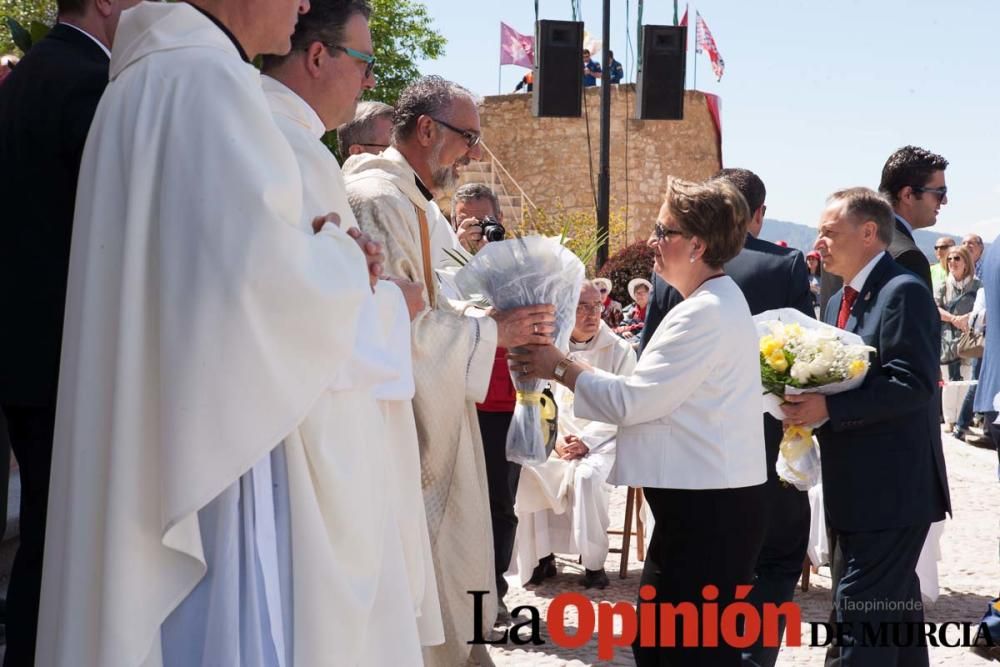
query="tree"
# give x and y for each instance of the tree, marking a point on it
(402, 33)
(25, 12)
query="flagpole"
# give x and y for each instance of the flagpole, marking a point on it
(498, 78)
(695, 87)
(604, 171)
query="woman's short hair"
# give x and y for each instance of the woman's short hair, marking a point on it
(963, 252)
(714, 211)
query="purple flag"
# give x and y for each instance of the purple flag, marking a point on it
(515, 48)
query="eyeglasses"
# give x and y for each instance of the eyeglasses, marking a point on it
(955, 259)
(663, 232)
(586, 308)
(944, 247)
(941, 192)
(357, 55)
(471, 138)
(375, 145)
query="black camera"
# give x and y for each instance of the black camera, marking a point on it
(492, 230)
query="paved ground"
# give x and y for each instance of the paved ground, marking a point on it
(969, 574)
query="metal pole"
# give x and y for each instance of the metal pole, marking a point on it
(604, 174)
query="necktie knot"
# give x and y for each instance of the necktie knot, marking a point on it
(850, 296)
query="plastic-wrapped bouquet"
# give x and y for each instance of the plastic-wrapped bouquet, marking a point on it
(522, 272)
(801, 355)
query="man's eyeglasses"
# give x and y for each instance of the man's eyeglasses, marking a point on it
(663, 232)
(941, 192)
(471, 138)
(357, 55)
(375, 145)
(585, 308)
(944, 247)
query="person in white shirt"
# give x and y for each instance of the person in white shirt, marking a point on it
(562, 505)
(688, 416)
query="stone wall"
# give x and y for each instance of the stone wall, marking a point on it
(548, 156)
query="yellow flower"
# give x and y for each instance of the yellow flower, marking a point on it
(793, 330)
(768, 344)
(856, 368)
(777, 361)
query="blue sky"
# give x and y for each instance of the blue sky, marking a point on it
(816, 94)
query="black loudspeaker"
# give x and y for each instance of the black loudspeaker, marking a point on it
(558, 87)
(660, 87)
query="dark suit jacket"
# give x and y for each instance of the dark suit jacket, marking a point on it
(770, 277)
(883, 464)
(903, 249)
(47, 104)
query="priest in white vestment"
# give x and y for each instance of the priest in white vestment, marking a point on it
(204, 326)
(312, 90)
(436, 129)
(562, 505)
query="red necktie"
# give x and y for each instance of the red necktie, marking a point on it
(850, 295)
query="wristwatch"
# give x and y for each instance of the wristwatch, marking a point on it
(560, 370)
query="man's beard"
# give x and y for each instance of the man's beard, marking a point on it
(443, 176)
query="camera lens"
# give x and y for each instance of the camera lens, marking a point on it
(492, 230)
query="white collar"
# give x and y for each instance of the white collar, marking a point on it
(906, 224)
(96, 41)
(285, 101)
(858, 282)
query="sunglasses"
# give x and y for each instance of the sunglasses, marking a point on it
(955, 259)
(943, 247)
(940, 192)
(366, 58)
(663, 232)
(471, 138)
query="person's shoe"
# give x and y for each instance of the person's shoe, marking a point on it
(978, 440)
(959, 433)
(976, 430)
(595, 579)
(503, 615)
(546, 569)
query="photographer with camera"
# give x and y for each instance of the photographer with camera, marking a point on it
(476, 216)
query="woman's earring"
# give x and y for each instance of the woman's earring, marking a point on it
(692, 259)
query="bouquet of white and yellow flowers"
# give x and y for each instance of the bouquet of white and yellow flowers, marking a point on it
(801, 355)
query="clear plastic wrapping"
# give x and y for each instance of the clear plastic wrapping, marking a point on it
(523, 272)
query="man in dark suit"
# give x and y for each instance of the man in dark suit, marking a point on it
(913, 182)
(47, 104)
(884, 479)
(770, 277)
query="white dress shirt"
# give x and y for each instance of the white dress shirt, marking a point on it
(858, 281)
(689, 416)
(96, 41)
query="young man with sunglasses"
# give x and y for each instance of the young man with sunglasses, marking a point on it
(913, 182)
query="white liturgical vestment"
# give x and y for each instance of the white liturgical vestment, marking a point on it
(452, 362)
(204, 327)
(385, 335)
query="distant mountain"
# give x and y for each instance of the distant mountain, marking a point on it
(803, 236)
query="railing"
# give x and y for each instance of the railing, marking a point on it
(495, 165)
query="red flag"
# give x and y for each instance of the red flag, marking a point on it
(515, 48)
(705, 42)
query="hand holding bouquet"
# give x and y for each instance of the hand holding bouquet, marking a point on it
(801, 355)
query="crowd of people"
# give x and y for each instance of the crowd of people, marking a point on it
(257, 424)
